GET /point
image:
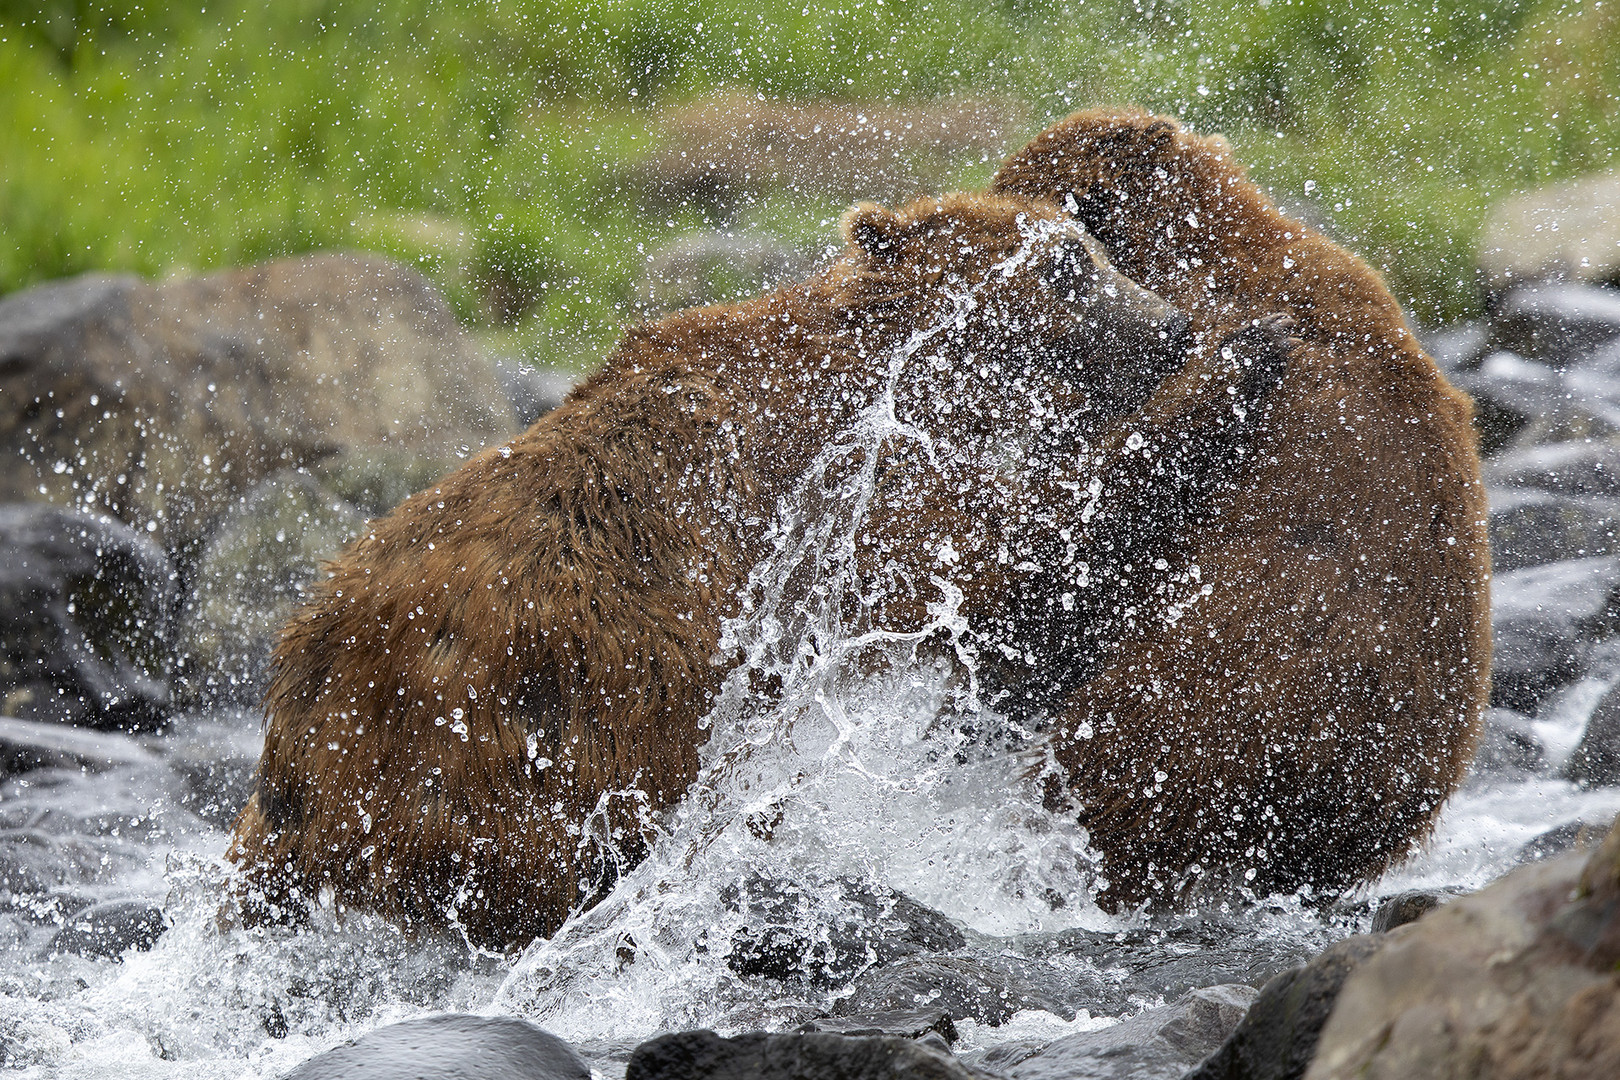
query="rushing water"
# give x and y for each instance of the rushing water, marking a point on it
(874, 767)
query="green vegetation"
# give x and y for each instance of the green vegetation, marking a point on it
(498, 145)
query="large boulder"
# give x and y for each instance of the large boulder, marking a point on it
(1567, 231)
(161, 403)
(86, 612)
(1515, 981)
(452, 1046)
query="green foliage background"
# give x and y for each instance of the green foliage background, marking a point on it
(493, 143)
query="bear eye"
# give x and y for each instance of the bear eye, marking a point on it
(1071, 269)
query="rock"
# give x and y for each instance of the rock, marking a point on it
(1508, 744)
(1542, 620)
(1159, 1044)
(827, 935)
(719, 152)
(985, 990)
(249, 577)
(1277, 1037)
(1534, 528)
(453, 1046)
(1596, 759)
(532, 392)
(1560, 840)
(1566, 231)
(162, 403)
(32, 744)
(215, 760)
(1522, 402)
(86, 611)
(708, 268)
(1408, 907)
(109, 929)
(703, 1055)
(1586, 467)
(1458, 347)
(1514, 981)
(1556, 324)
(902, 1023)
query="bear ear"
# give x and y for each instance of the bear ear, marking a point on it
(874, 230)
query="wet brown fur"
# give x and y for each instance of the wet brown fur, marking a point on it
(1307, 719)
(475, 711)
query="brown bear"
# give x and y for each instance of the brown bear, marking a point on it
(472, 718)
(1302, 724)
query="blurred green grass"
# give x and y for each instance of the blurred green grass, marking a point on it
(495, 145)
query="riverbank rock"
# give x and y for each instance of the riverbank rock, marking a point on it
(703, 1055)
(1515, 981)
(452, 1046)
(1277, 1036)
(86, 615)
(1158, 1044)
(160, 403)
(1568, 231)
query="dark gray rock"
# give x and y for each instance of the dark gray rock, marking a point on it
(827, 933)
(982, 989)
(86, 619)
(32, 744)
(1556, 323)
(1508, 744)
(250, 576)
(109, 929)
(1534, 528)
(1596, 760)
(1582, 467)
(214, 759)
(901, 1023)
(453, 1046)
(1409, 906)
(1561, 839)
(1159, 1044)
(703, 1055)
(1543, 620)
(1277, 1037)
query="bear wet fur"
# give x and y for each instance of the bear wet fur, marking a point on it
(473, 717)
(1257, 614)
(1302, 724)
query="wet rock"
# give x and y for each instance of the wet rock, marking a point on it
(1560, 840)
(1543, 618)
(109, 929)
(532, 392)
(1277, 1037)
(985, 990)
(1585, 467)
(214, 760)
(86, 612)
(1596, 760)
(1567, 231)
(31, 744)
(901, 1023)
(1508, 745)
(1520, 402)
(1408, 907)
(708, 268)
(1459, 346)
(161, 403)
(703, 1055)
(1514, 981)
(1556, 324)
(452, 1046)
(1159, 1044)
(1534, 528)
(826, 933)
(250, 576)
